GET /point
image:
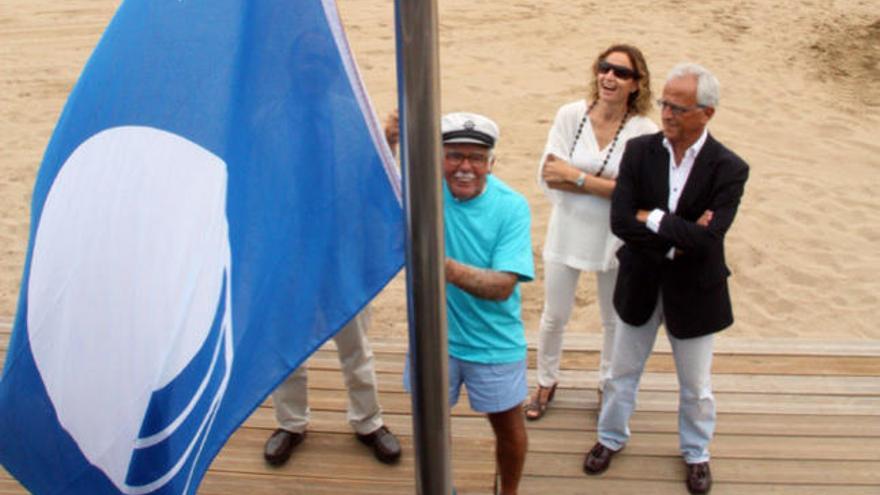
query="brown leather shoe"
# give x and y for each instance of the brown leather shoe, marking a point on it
(280, 445)
(598, 459)
(699, 478)
(385, 446)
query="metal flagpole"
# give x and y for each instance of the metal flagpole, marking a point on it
(419, 102)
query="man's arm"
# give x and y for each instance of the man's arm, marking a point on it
(511, 259)
(644, 215)
(480, 282)
(694, 238)
(625, 206)
(392, 130)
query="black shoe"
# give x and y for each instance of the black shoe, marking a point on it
(699, 478)
(598, 459)
(280, 445)
(385, 446)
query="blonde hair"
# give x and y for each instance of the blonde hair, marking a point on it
(639, 101)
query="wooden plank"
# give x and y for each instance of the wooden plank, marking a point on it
(728, 423)
(240, 462)
(218, 483)
(726, 382)
(238, 483)
(649, 400)
(587, 382)
(794, 377)
(392, 402)
(244, 453)
(725, 344)
(12, 487)
(671, 468)
(784, 427)
(733, 402)
(756, 434)
(5, 334)
(581, 341)
(774, 428)
(829, 367)
(607, 486)
(9, 485)
(343, 456)
(335, 422)
(853, 448)
(746, 364)
(398, 402)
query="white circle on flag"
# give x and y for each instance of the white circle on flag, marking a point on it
(128, 264)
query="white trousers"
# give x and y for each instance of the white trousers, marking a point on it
(693, 366)
(356, 359)
(560, 283)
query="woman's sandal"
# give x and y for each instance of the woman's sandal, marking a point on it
(536, 408)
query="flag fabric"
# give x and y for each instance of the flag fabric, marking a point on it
(216, 201)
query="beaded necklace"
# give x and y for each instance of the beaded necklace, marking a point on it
(613, 141)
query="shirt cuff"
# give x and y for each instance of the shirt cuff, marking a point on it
(654, 219)
(671, 253)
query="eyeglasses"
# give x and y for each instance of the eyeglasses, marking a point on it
(457, 158)
(676, 109)
(620, 71)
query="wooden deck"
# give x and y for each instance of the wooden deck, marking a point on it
(794, 417)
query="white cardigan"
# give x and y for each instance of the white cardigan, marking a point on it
(579, 233)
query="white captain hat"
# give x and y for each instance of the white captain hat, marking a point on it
(465, 127)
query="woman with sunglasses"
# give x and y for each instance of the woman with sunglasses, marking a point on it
(578, 172)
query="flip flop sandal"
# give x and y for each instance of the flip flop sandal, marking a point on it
(535, 409)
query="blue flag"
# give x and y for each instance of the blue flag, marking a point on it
(216, 201)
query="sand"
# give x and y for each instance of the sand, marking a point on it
(800, 102)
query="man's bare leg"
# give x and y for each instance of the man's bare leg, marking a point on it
(511, 443)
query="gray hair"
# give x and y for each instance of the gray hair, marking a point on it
(708, 88)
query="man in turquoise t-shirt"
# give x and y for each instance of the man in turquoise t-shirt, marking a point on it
(488, 251)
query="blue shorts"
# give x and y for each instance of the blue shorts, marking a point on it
(491, 388)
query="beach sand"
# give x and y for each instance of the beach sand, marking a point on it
(800, 103)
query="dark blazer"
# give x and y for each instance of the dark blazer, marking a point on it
(693, 285)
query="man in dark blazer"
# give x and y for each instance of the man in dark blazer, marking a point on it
(675, 198)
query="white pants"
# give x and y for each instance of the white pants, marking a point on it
(693, 366)
(560, 283)
(356, 360)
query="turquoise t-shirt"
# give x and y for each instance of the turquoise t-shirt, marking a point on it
(489, 231)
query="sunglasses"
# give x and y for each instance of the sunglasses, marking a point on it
(620, 71)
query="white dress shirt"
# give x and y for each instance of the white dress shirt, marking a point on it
(678, 176)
